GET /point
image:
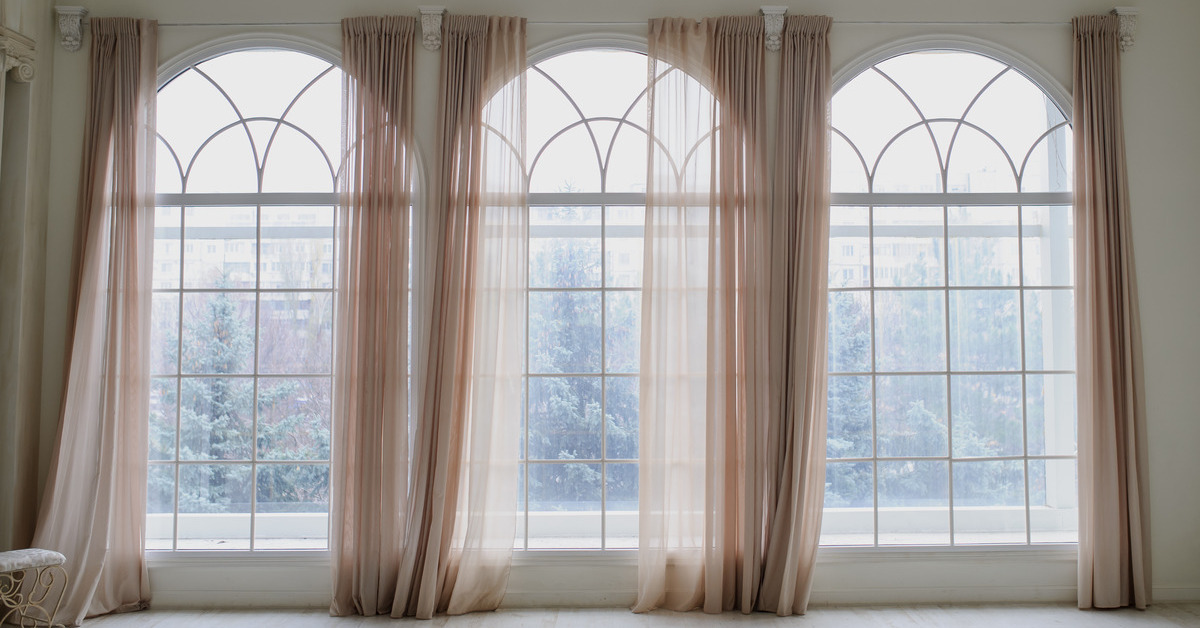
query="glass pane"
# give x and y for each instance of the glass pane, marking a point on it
(164, 334)
(621, 529)
(297, 247)
(1053, 501)
(1050, 406)
(295, 330)
(849, 334)
(168, 248)
(564, 418)
(603, 82)
(160, 506)
(214, 506)
(849, 516)
(984, 332)
(318, 112)
(548, 111)
(216, 418)
(910, 330)
(1016, 112)
(977, 164)
(941, 82)
(218, 333)
(623, 335)
(626, 171)
(164, 416)
(914, 504)
(621, 414)
(989, 502)
(292, 506)
(908, 246)
(1049, 167)
(263, 82)
(983, 246)
(849, 248)
(569, 163)
(219, 247)
(295, 163)
(910, 164)
(910, 412)
(986, 415)
(293, 419)
(564, 247)
(227, 163)
(564, 505)
(190, 109)
(849, 172)
(623, 237)
(1048, 245)
(564, 332)
(869, 111)
(1050, 330)
(849, 417)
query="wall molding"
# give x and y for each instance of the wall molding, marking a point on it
(19, 55)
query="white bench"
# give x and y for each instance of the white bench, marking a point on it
(25, 600)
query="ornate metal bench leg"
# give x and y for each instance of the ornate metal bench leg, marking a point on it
(27, 601)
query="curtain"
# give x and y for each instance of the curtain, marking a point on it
(94, 507)
(469, 285)
(1114, 538)
(371, 439)
(800, 233)
(703, 391)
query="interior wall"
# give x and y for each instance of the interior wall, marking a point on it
(1162, 94)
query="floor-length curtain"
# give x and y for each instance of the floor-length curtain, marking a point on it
(798, 314)
(370, 421)
(470, 283)
(94, 507)
(1114, 537)
(703, 395)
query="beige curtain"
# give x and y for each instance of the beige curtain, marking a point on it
(704, 319)
(1114, 536)
(94, 507)
(470, 283)
(796, 458)
(371, 443)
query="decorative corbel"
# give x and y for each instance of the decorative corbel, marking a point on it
(70, 27)
(18, 55)
(773, 21)
(431, 27)
(1127, 25)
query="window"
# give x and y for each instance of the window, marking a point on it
(586, 121)
(951, 325)
(241, 341)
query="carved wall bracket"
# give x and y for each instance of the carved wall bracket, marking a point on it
(431, 27)
(70, 26)
(1127, 25)
(773, 21)
(18, 55)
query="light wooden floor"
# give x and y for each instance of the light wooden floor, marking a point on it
(1015, 616)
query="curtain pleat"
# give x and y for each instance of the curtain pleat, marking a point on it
(470, 283)
(1114, 541)
(798, 314)
(370, 465)
(94, 506)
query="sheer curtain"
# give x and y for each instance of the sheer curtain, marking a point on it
(470, 283)
(94, 507)
(1114, 537)
(370, 456)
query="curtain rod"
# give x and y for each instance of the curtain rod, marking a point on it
(643, 22)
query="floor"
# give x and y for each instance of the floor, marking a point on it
(1014, 616)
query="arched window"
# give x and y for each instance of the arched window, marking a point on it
(951, 327)
(587, 173)
(243, 281)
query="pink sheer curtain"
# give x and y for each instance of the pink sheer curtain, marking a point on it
(1114, 537)
(370, 457)
(470, 280)
(94, 507)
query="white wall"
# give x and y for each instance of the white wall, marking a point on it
(1162, 98)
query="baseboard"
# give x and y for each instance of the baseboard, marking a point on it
(1176, 594)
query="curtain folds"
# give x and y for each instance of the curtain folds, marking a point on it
(94, 506)
(732, 392)
(470, 283)
(371, 435)
(1114, 540)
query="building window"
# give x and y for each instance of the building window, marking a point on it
(586, 132)
(951, 324)
(241, 343)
